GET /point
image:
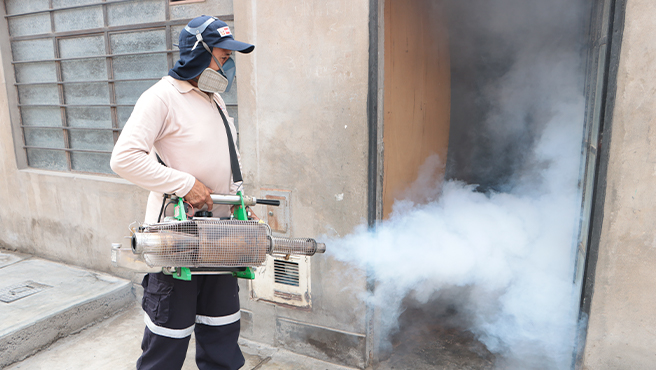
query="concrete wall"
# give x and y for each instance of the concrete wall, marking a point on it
(61, 216)
(622, 326)
(72, 218)
(303, 128)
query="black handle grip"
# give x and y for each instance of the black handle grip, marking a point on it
(268, 202)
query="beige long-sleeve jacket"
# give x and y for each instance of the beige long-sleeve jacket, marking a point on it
(183, 125)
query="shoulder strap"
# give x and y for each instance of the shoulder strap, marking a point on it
(234, 162)
(164, 195)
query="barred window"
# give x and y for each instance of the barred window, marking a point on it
(80, 66)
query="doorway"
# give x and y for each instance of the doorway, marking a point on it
(472, 84)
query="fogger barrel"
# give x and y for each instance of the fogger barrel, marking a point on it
(215, 243)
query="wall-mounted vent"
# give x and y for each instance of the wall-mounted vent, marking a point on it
(283, 279)
(285, 272)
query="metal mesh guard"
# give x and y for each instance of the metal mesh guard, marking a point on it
(204, 243)
(302, 246)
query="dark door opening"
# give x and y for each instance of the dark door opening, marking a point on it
(478, 83)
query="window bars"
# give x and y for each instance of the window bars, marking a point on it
(79, 71)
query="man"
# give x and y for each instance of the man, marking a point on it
(179, 119)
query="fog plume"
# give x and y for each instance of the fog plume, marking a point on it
(496, 240)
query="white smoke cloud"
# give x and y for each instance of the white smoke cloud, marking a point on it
(504, 258)
(510, 254)
(513, 251)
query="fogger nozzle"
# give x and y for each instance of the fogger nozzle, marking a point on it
(302, 246)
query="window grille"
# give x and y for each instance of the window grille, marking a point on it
(80, 66)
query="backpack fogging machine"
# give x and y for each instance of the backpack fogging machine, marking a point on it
(182, 246)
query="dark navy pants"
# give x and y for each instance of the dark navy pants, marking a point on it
(208, 305)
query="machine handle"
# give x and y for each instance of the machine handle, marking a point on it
(226, 199)
(236, 200)
(268, 202)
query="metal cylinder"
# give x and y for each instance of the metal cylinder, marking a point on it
(215, 243)
(297, 246)
(162, 242)
(234, 200)
(232, 244)
(204, 243)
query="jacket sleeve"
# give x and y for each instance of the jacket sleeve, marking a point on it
(131, 159)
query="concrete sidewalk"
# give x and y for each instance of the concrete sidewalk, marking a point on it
(71, 318)
(87, 320)
(42, 301)
(115, 344)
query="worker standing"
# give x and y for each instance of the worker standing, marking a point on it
(183, 120)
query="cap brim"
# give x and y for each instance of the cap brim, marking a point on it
(231, 44)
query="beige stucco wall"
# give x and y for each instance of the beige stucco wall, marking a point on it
(72, 218)
(302, 110)
(622, 326)
(303, 128)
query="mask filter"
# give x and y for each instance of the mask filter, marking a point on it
(211, 81)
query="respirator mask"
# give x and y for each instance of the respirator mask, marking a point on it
(211, 81)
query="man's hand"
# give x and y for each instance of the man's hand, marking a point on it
(199, 196)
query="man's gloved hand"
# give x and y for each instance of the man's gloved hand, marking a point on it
(199, 196)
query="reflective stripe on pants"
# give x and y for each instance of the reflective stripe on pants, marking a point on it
(208, 305)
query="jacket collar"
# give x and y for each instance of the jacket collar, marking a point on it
(182, 86)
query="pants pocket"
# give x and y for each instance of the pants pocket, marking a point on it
(156, 298)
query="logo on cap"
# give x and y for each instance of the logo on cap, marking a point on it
(224, 31)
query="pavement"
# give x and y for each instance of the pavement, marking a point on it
(72, 318)
(115, 344)
(59, 317)
(42, 301)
